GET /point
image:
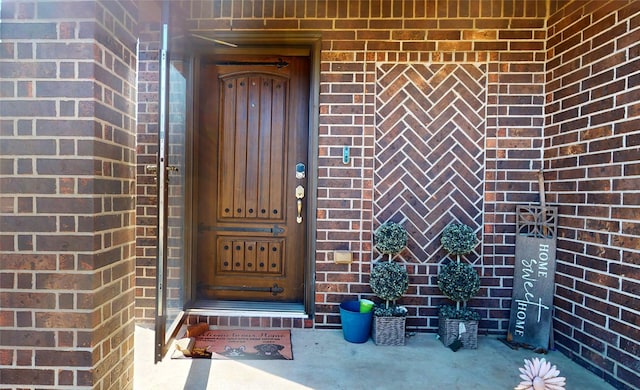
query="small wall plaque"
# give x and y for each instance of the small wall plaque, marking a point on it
(342, 257)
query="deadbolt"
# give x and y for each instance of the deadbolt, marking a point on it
(300, 171)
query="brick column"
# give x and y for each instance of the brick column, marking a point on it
(146, 187)
(67, 155)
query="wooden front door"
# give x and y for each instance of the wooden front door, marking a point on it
(253, 135)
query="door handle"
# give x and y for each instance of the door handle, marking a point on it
(299, 196)
(152, 169)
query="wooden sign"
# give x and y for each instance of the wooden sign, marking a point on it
(530, 322)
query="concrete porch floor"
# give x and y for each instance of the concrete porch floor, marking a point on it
(324, 360)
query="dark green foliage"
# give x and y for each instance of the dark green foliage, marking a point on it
(458, 281)
(391, 311)
(389, 280)
(390, 238)
(458, 239)
(464, 313)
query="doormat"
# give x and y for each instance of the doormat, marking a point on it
(237, 344)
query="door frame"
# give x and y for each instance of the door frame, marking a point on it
(268, 43)
(165, 332)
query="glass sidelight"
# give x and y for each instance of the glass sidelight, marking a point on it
(172, 174)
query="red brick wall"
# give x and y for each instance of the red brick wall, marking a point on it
(592, 162)
(507, 41)
(68, 152)
(67, 209)
(146, 189)
(579, 74)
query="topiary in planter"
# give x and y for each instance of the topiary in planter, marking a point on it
(389, 281)
(458, 281)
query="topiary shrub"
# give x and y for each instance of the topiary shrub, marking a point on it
(390, 238)
(458, 239)
(458, 281)
(389, 281)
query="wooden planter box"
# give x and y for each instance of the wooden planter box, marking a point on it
(448, 332)
(388, 330)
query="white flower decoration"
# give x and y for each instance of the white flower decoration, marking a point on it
(538, 374)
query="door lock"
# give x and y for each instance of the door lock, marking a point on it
(300, 171)
(299, 196)
(152, 169)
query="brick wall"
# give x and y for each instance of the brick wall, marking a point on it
(579, 75)
(592, 163)
(505, 41)
(146, 189)
(67, 184)
(68, 152)
(429, 162)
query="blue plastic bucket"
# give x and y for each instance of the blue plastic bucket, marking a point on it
(356, 326)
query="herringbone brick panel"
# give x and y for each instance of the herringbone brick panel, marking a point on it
(430, 134)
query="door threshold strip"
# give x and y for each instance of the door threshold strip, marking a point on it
(248, 309)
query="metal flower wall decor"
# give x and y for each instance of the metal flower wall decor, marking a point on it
(538, 374)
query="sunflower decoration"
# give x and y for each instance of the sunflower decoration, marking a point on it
(538, 374)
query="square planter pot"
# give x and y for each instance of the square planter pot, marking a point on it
(388, 330)
(448, 331)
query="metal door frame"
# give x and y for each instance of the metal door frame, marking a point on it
(162, 179)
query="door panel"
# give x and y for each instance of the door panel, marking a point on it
(253, 132)
(253, 150)
(177, 210)
(171, 176)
